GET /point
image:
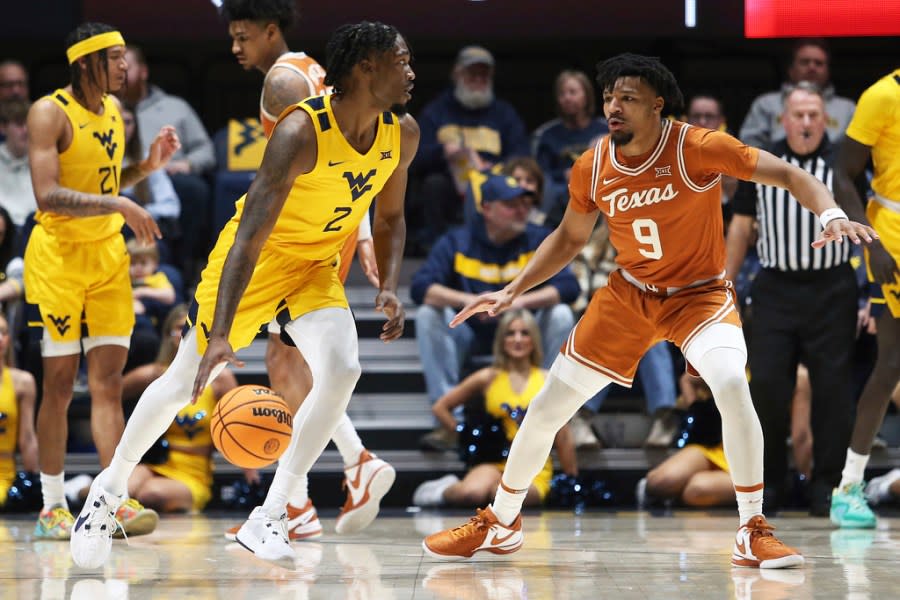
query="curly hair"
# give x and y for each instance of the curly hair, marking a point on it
(350, 44)
(83, 32)
(283, 12)
(650, 69)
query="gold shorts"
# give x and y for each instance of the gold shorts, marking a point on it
(71, 281)
(282, 285)
(193, 471)
(714, 454)
(887, 223)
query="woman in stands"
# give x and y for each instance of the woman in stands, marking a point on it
(507, 388)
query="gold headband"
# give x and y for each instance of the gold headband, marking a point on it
(94, 43)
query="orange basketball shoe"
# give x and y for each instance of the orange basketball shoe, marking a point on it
(367, 482)
(483, 532)
(756, 546)
(303, 524)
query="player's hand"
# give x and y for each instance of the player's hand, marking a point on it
(838, 228)
(139, 220)
(365, 251)
(882, 265)
(492, 303)
(164, 146)
(218, 351)
(389, 304)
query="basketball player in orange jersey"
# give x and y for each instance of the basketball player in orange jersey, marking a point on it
(327, 159)
(657, 182)
(257, 33)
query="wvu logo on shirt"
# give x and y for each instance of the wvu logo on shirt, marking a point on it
(3, 418)
(106, 140)
(191, 424)
(359, 183)
(61, 323)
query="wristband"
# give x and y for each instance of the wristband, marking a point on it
(830, 214)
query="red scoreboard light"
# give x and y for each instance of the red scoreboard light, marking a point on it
(804, 18)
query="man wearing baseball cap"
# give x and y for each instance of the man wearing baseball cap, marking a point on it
(478, 257)
(465, 128)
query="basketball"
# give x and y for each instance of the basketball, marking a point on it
(251, 426)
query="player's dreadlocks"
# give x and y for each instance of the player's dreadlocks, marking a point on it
(650, 69)
(283, 12)
(83, 32)
(350, 44)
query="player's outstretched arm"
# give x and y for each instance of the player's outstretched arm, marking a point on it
(814, 196)
(555, 252)
(290, 152)
(389, 232)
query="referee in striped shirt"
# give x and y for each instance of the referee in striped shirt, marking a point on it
(804, 306)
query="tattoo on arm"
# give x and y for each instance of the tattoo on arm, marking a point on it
(131, 175)
(72, 203)
(284, 89)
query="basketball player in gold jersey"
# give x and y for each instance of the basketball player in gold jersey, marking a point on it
(327, 159)
(257, 32)
(76, 266)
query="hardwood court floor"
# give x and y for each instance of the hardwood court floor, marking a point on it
(624, 555)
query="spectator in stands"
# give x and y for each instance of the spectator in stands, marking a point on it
(181, 481)
(705, 110)
(153, 298)
(528, 176)
(16, 193)
(558, 143)
(156, 192)
(465, 128)
(11, 286)
(478, 257)
(810, 60)
(17, 406)
(786, 323)
(505, 388)
(154, 108)
(13, 80)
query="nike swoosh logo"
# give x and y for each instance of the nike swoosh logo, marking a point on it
(741, 548)
(332, 163)
(80, 126)
(608, 181)
(80, 521)
(499, 540)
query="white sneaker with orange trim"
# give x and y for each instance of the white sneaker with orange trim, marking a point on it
(367, 482)
(483, 532)
(303, 524)
(756, 546)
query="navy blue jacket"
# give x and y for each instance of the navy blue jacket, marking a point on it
(465, 259)
(496, 132)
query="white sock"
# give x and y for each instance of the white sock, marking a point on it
(347, 441)
(154, 413)
(52, 490)
(327, 338)
(722, 368)
(749, 504)
(300, 494)
(507, 503)
(854, 469)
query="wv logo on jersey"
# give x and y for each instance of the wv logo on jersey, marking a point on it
(106, 140)
(359, 184)
(190, 424)
(61, 323)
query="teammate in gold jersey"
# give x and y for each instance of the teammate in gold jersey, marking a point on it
(328, 157)
(76, 266)
(257, 34)
(874, 132)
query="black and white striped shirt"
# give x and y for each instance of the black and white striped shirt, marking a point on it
(786, 229)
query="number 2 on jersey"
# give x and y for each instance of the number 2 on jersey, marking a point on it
(646, 232)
